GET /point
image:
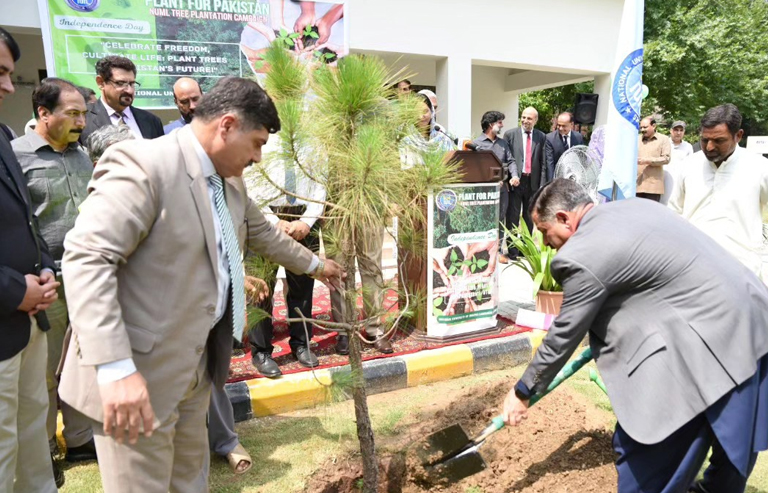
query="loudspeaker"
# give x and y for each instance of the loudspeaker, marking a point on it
(586, 109)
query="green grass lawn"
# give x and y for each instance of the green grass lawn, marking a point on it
(288, 448)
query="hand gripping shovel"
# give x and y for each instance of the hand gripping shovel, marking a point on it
(450, 455)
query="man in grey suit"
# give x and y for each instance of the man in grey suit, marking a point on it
(560, 141)
(678, 331)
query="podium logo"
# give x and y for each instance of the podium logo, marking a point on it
(446, 200)
(83, 5)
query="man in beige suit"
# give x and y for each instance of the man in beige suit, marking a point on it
(154, 275)
(653, 153)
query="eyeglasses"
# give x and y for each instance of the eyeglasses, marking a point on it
(121, 84)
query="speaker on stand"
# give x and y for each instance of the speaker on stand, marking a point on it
(585, 110)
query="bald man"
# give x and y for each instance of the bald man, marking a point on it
(527, 145)
(186, 95)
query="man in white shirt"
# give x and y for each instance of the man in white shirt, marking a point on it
(680, 150)
(723, 189)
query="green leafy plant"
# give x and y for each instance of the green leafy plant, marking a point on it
(286, 38)
(536, 257)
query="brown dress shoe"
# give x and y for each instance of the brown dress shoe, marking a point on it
(384, 346)
(503, 258)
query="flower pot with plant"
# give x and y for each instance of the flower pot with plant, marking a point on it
(535, 259)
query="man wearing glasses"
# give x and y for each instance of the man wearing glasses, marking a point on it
(116, 78)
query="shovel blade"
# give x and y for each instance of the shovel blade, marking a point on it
(456, 468)
(441, 444)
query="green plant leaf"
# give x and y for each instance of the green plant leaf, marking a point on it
(482, 263)
(454, 255)
(289, 42)
(437, 302)
(473, 268)
(452, 270)
(294, 35)
(313, 34)
(438, 312)
(537, 282)
(283, 32)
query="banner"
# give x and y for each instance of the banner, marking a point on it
(621, 133)
(463, 250)
(168, 39)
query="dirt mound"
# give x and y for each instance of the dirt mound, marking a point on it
(564, 446)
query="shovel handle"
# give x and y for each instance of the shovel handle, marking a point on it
(568, 370)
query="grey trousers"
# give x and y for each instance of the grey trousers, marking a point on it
(221, 423)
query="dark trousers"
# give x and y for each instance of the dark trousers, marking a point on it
(671, 465)
(650, 196)
(299, 296)
(521, 198)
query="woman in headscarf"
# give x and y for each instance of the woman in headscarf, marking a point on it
(425, 138)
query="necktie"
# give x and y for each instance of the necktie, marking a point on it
(565, 141)
(234, 257)
(120, 118)
(290, 183)
(527, 169)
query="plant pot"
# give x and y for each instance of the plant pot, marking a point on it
(549, 302)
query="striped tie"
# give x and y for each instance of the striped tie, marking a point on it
(234, 257)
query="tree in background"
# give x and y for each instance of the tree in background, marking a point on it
(342, 127)
(698, 54)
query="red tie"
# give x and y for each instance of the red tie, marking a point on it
(527, 169)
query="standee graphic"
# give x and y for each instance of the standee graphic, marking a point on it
(168, 39)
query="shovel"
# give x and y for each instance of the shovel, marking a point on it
(450, 455)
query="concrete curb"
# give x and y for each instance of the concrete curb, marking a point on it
(263, 397)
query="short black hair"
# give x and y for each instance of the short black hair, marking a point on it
(13, 47)
(244, 97)
(725, 113)
(561, 194)
(105, 65)
(48, 92)
(489, 118)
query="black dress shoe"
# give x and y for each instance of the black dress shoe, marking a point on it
(342, 344)
(58, 473)
(384, 346)
(305, 357)
(84, 452)
(266, 365)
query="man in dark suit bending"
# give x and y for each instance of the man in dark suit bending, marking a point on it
(560, 141)
(116, 78)
(677, 328)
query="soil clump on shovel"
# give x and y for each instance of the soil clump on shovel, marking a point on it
(563, 446)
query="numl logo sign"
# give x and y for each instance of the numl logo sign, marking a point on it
(83, 5)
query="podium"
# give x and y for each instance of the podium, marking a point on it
(453, 275)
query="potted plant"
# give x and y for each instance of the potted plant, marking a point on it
(535, 259)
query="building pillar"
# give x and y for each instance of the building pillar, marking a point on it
(603, 90)
(454, 92)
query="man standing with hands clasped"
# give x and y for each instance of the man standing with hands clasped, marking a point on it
(154, 278)
(678, 330)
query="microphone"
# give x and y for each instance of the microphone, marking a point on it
(470, 146)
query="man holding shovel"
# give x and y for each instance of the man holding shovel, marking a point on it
(678, 331)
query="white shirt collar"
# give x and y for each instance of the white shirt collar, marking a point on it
(111, 111)
(206, 164)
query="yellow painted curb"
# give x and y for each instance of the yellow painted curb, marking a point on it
(287, 393)
(536, 337)
(438, 364)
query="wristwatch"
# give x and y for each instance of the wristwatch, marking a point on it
(318, 272)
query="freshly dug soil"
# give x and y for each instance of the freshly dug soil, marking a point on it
(564, 446)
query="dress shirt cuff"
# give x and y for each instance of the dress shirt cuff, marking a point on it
(522, 391)
(46, 269)
(309, 221)
(114, 371)
(313, 264)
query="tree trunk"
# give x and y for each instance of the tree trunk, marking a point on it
(362, 418)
